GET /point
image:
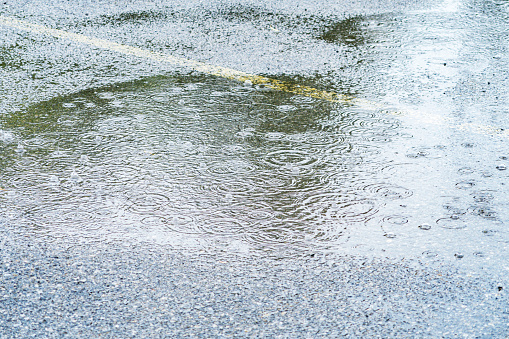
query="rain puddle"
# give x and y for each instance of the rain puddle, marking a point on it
(205, 164)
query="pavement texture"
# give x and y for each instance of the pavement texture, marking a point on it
(115, 291)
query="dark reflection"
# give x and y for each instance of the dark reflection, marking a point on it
(196, 156)
(9, 56)
(349, 32)
(139, 17)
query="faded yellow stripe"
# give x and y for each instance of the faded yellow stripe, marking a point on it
(232, 74)
(202, 67)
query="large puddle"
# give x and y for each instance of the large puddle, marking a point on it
(205, 164)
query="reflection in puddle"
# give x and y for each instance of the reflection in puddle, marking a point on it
(210, 163)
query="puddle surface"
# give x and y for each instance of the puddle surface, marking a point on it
(205, 164)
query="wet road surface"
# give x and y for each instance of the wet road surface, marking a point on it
(262, 199)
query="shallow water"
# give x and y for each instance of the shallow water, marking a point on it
(202, 164)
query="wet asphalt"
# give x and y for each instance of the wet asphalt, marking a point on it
(68, 285)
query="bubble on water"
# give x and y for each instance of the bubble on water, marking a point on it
(466, 184)
(74, 177)
(286, 108)
(248, 83)
(20, 149)
(54, 180)
(90, 105)
(465, 170)
(191, 87)
(417, 153)
(6, 136)
(430, 254)
(425, 227)
(272, 136)
(106, 95)
(68, 105)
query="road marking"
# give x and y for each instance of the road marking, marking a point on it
(232, 74)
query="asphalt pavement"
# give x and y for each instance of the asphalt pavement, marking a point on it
(254, 169)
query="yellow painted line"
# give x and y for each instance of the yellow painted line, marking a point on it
(192, 64)
(232, 74)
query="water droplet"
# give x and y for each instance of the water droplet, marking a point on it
(75, 177)
(53, 180)
(465, 184)
(20, 149)
(429, 254)
(417, 153)
(84, 159)
(286, 108)
(465, 170)
(106, 95)
(425, 227)
(275, 136)
(6, 137)
(396, 219)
